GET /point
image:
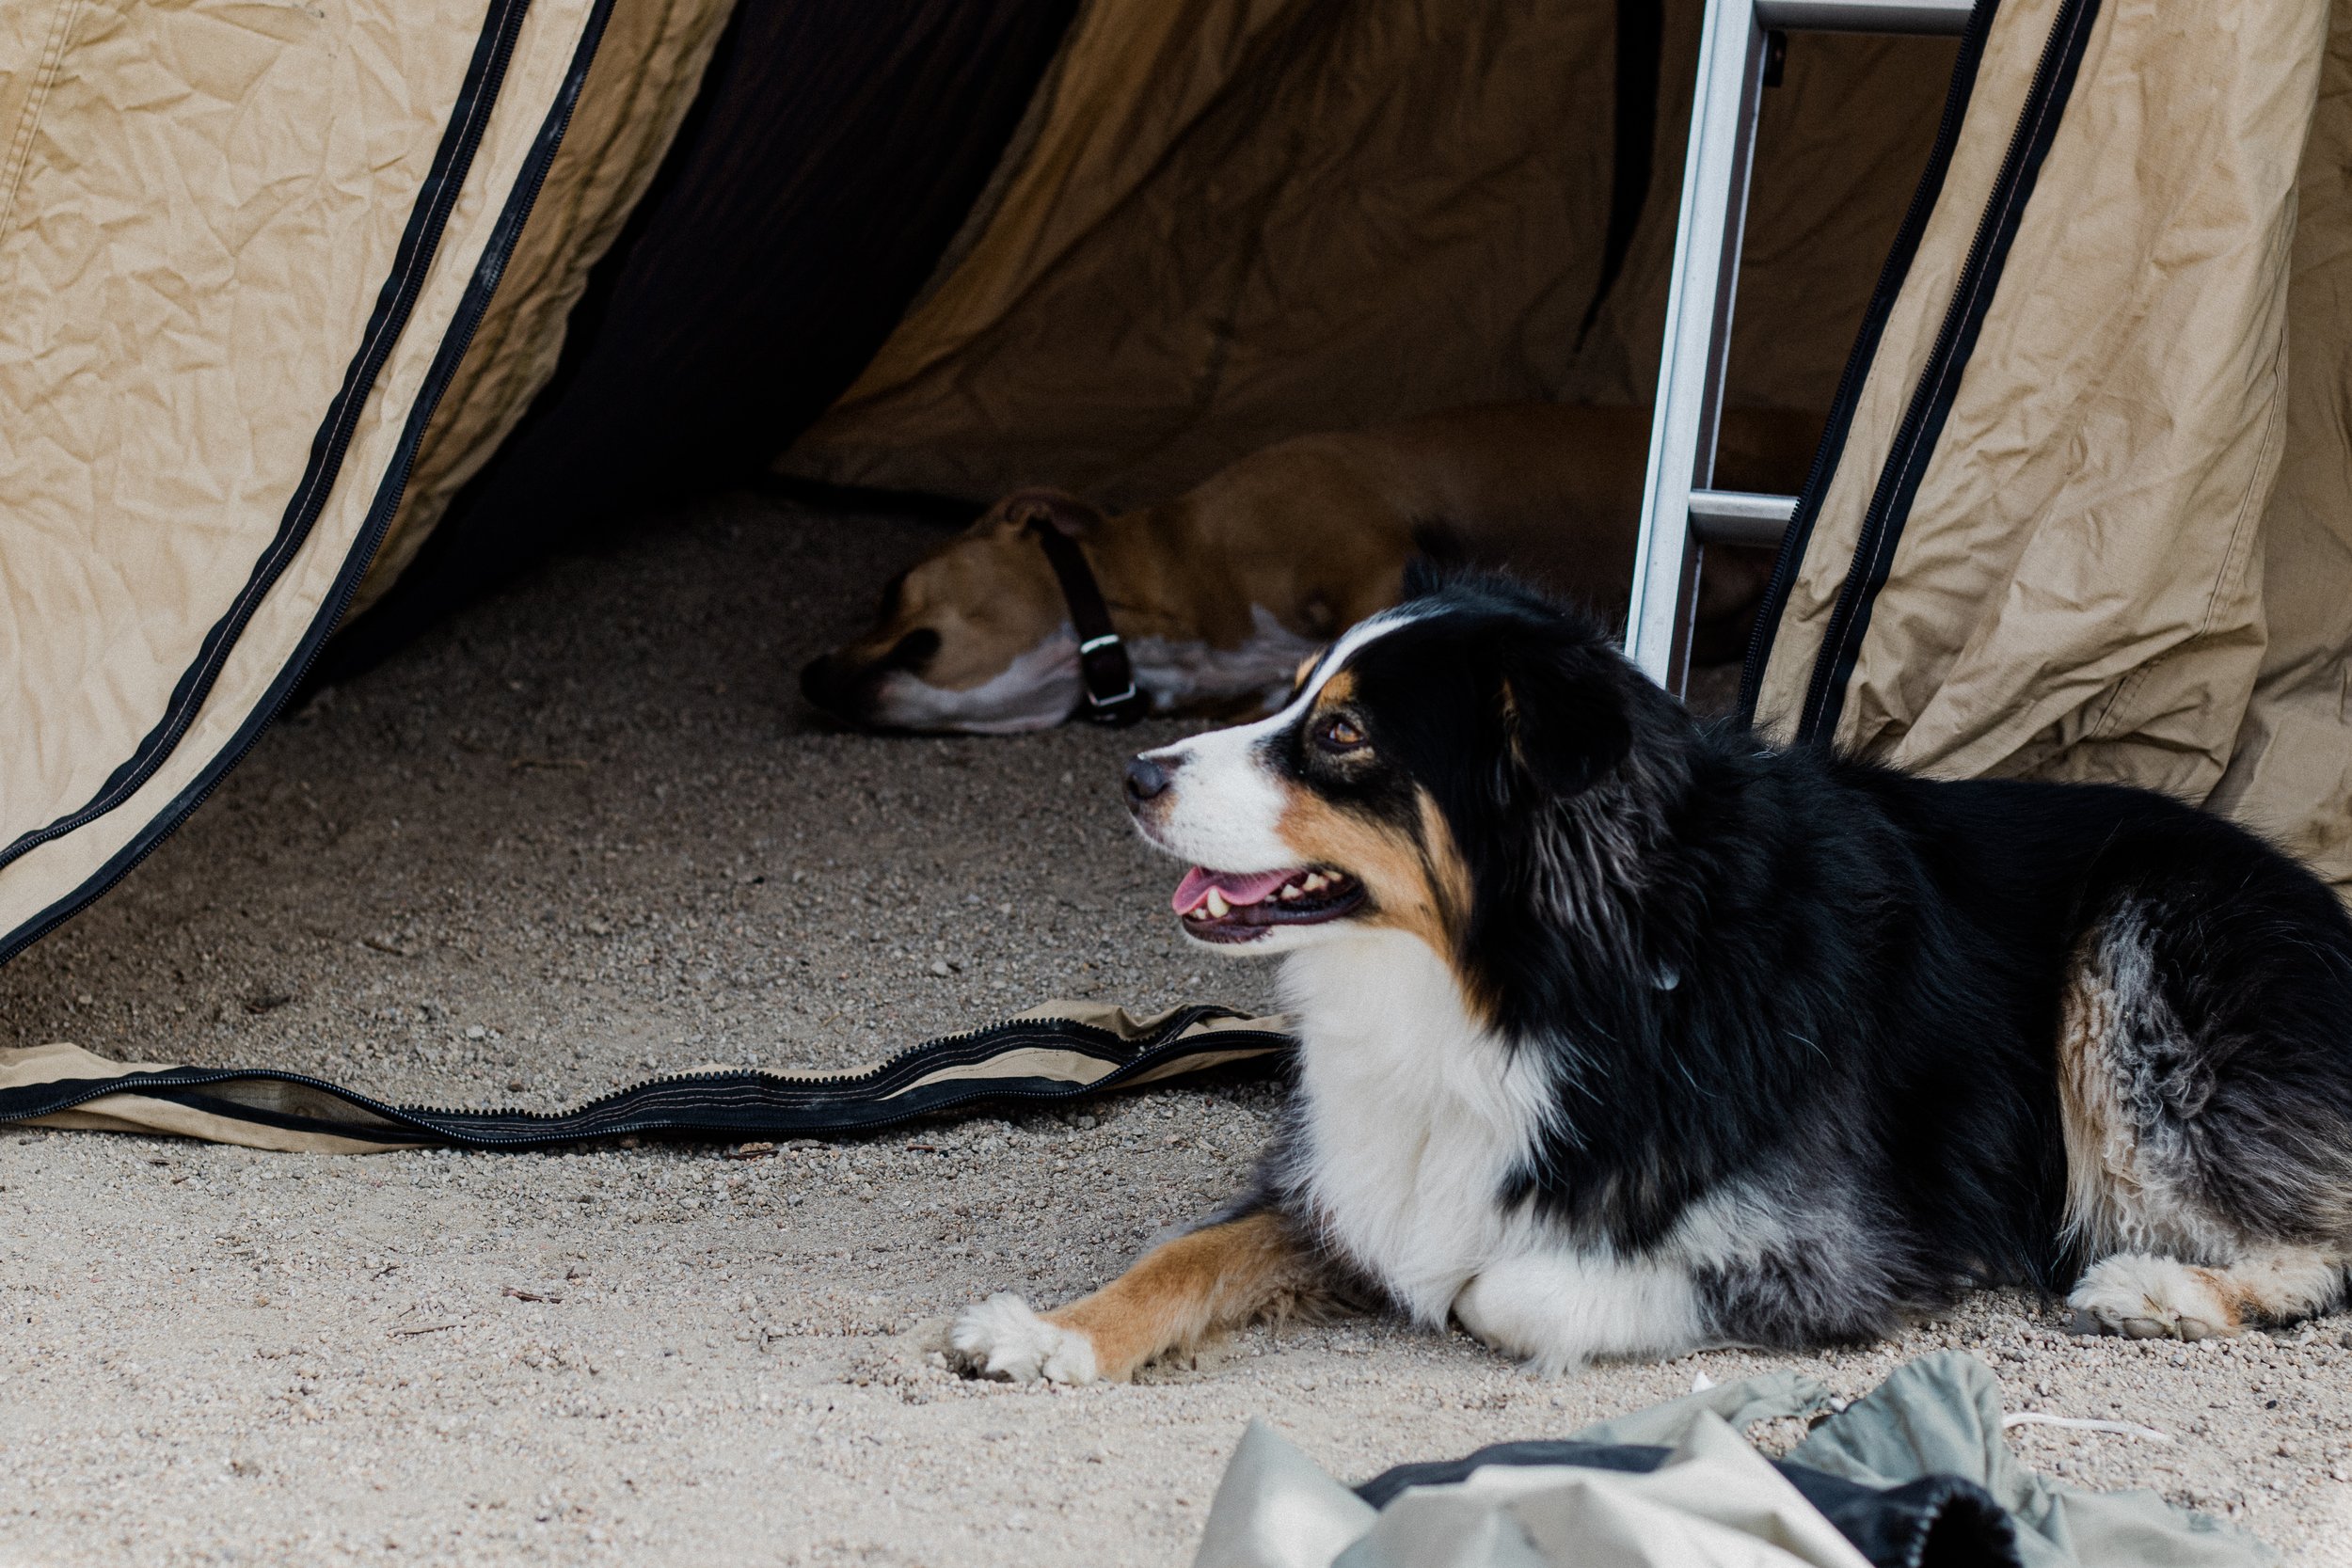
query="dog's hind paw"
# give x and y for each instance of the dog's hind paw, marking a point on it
(1001, 1338)
(2146, 1297)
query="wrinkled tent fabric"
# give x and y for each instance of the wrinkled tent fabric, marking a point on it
(1936, 1521)
(1941, 1413)
(1713, 1502)
(279, 287)
(1712, 1499)
(2086, 508)
(240, 253)
(1237, 220)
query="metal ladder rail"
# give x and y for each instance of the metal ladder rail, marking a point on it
(1680, 509)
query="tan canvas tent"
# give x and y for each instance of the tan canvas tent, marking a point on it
(2086, 510)
(316, 310)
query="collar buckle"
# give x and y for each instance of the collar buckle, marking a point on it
(1104, 670)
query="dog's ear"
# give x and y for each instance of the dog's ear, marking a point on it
(1063, 511)
(1565, 713)
(1440, 553)
(1441, 567)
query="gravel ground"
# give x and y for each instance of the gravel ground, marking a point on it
(587, 833)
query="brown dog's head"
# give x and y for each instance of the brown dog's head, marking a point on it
(974, 638)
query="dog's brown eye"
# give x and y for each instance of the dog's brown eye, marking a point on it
(1340, 732)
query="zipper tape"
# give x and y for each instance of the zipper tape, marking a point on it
(937, 1076)
(1922, 426)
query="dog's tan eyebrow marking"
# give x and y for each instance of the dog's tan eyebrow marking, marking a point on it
(1340, 689)
(1332, 660)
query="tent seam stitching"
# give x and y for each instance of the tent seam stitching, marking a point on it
(1834, 662)
(20, 148)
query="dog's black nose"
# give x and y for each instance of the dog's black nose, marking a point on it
(912, 651)
(1146, 778)
(820, 682)
(839, 688)
(836, 686)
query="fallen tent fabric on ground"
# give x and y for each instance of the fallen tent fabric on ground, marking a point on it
(1914, 1475)
(1056, 1052)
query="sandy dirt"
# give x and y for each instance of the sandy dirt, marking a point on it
(586, 832)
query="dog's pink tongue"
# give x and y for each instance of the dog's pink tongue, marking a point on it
(1237, 887)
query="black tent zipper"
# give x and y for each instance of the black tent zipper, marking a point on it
(1892, 274)
(881, 1096)
(1939, 379)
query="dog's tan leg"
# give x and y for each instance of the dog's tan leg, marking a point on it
(1219, 1278)
(1215, 1278)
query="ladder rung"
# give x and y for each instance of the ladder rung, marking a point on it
(1865, 16)
(1740, 517)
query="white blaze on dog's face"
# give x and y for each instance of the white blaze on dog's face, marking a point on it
(1036, 690)
(973, 638)
(1298, 827)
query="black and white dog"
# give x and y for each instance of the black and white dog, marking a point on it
(1623, 1034)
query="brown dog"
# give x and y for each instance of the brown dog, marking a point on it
(1219, 592)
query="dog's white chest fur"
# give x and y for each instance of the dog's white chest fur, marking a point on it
(1413, 1116)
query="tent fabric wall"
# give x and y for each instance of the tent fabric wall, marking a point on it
(286, 289)
(2290, 768)
(235, 247)
(2054, 541)
(1242, 219)
(645, 76)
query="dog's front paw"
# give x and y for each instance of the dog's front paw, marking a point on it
(2147, 1297)
(1001, 1338)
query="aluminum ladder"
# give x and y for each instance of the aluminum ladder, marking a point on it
(1681, 510)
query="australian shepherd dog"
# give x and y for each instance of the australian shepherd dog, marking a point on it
(1624, 1035)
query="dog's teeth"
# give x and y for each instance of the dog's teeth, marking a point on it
(1316, 882)
(1196, 912)
(1218, 908)
(1289, 891)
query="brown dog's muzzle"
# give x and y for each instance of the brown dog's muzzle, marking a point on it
(849, 689)
(839, 688)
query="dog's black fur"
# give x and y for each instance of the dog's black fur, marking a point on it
(1835, 982)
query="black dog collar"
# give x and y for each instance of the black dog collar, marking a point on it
(1103, 668)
